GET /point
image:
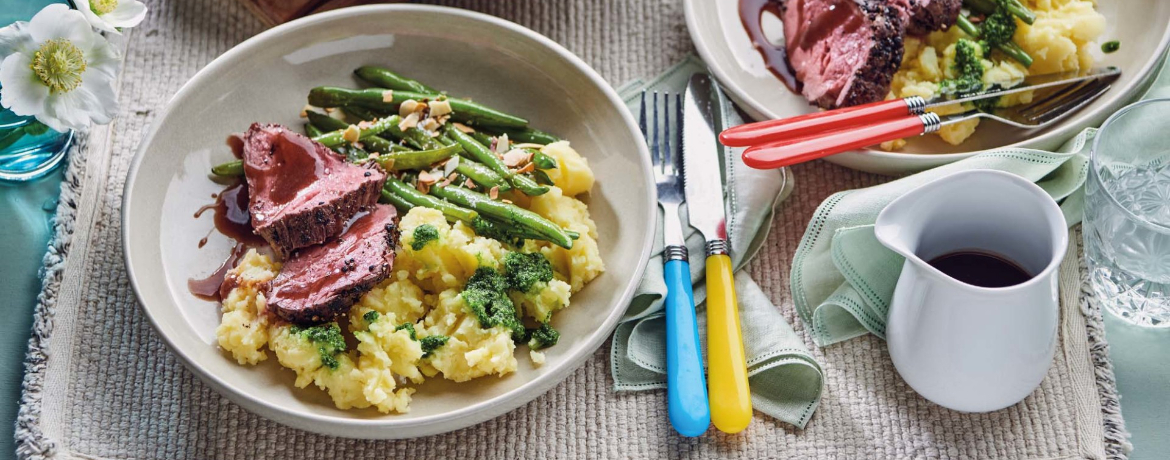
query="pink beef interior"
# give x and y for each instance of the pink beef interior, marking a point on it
(827, 41)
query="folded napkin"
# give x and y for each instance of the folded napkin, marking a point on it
(843, 278)
(784, 379)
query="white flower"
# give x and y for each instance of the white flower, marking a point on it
(108, 15)
(58, 69)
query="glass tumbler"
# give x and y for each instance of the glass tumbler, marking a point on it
(1127, 214)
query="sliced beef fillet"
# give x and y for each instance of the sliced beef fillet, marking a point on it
(300, 192)
(922, 17)
(317, 283)
(844, 52)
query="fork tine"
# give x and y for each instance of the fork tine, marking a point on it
(679, 164)
(642, 117)
(668, 153)
(1064, 97)
(657, 130)
(1074, 102)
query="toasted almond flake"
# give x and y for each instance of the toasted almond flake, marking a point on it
(440, 108)
(445, 182)
(464, 128)
(452, 177)
(450, 165)
(388, 96)
(494, 192)
(506, 201)
(359, 145)
(515, 157)
(501, 145)
(304, 113)
(469, 184)
(423, 187)
(528, 145)
(364, 124)
(408, 122)
(430, 124)
(528, 167)
(443, 119)
(329, 109)
(425, 177)
(351, 134)
(407, 107)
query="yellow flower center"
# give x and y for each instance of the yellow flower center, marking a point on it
(59, 65)
(101, 7)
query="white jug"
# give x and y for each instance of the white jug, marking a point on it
(965, 347)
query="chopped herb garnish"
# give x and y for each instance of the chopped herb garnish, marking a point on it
(409, 328)
(370, 316)
(1110, 46)
(431, 342)
(423, 234)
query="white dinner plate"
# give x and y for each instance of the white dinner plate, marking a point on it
(1142, 27)
(266, 79)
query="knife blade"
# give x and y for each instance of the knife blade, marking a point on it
(702, 182)
(731, 404)
(1030, 83)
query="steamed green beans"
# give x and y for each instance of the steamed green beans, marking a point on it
(416, 198)
(234, 168)
(384, 78)
(507, 213)
(526, 135)
(336, 138)
(373, 98)
(482, 175)
(481, 154)
(413, 136)
(397, 161)
(327, 123)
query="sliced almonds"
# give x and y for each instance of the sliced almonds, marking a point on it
(494, 192)
(450, 165)
(528, 167)
(407, 107)
(464, 128)
(410, 121)
(425, 177)
(439, 108)
(516, 157)
(501, 144)
(528, 145)
(364, 124)
(351, 134)
(430, 124)
(388, 96)
(469, 184)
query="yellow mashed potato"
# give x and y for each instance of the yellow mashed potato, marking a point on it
(421, 298)
(1061, 39)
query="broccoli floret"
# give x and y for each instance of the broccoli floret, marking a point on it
(370, 316)
(423, 234)
(327, 338)
(543, 337)
(997, 29)
(524, 271)
(431, 342)
(409, 328)
(968, 67)
(485, 294)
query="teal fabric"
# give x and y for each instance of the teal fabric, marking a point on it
(785, 380)
(26, 210)
(842, 278)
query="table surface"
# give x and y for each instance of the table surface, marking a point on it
(1139, 354)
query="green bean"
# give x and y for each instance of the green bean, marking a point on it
(312, 131)
(397, 161)
(234, 168)
(375, 143)
(336, 138)
(542, 160)
(372, 98)
(1010, 48)
(417, 138)
(508, 213)
(395, 200)
(1015, 7)
(482, 175)
(384, 78)
(526, 135)
(481, 154)
(482, 137)
(416, 198)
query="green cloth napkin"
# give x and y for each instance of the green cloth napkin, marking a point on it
(843, 278)
(785, 380)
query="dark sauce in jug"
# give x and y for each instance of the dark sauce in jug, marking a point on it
(775, 57)
(981, 269)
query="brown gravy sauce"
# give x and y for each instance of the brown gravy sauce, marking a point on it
(775, 57)
(284, 174)
(232, 220)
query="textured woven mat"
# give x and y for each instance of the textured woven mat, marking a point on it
(100, 383)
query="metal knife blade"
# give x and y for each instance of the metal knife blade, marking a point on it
(1031, 83)
(702, 182)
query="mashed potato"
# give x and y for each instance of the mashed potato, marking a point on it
(417, 324)
(1060, 40)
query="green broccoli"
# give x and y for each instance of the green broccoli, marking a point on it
(543, 337)
(409, 328)
(327, 338)
(423, 234)
(968, 67)
(997, 29)
(486, 295)
(524, 271)
(431, 342)
(370, 316)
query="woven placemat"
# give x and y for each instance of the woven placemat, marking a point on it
(101, 384)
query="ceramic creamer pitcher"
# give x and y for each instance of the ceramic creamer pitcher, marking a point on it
(965, 347)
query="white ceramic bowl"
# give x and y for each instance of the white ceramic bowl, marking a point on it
(1142, 26)
(266, 79)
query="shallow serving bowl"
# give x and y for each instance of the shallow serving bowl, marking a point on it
(1142, 27)
(266, 79)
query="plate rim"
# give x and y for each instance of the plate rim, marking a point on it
(906, 160)
(467, 416)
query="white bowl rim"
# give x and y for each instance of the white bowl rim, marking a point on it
(705, 52)
(445, 422)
